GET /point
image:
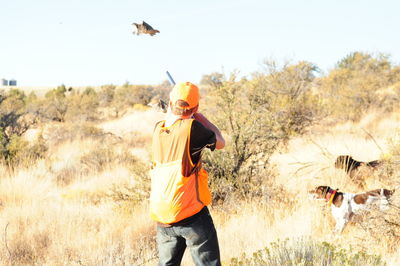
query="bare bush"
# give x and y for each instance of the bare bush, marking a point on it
(257, 117)
(58, 133)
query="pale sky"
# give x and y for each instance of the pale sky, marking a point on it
(90, 42)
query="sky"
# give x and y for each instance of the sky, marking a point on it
(90, 42)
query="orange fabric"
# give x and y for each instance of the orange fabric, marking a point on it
(187, 92)
(179, 189)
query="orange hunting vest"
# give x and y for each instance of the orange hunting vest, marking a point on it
(179, 189)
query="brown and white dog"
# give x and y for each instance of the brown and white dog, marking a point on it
(344, 205)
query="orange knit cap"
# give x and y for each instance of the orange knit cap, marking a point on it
(187, 92)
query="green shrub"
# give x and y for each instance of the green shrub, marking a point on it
(15, 119)
(82, 106)
(106, 95)
(350, 89)
(162, 90)
(257, 117)
(12, 111)
(3, 144)
(306, 252)
(54, 106)
(21, 152)
(128, 95)
(13, 102)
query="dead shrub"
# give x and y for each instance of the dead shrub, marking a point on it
(382, 226)
(137, 139)
(67, 175)
(21, 252)
(103, 157)
(59, 133)
(98, 160)
(128, 195)
(28, 247)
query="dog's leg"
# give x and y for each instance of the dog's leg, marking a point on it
(383, 206)
(340, 224)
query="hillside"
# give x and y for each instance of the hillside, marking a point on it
(74, 187)
(71, 207)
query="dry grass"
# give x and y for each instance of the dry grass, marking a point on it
(56, 213)
(133, 121)
(71, 225)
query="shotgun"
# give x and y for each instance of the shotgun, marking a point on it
(171, 80)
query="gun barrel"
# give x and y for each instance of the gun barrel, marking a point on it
(170, 78)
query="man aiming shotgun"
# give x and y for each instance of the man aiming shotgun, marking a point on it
(179, 184)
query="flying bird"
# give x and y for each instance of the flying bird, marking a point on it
(144, 28)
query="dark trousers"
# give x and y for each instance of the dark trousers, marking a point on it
(199, 235)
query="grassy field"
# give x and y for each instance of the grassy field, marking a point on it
(82, 204)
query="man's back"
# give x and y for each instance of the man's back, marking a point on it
(179, 185)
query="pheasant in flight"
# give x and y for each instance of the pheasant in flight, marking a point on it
(144, 28)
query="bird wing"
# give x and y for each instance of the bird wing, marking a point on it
(147, 26)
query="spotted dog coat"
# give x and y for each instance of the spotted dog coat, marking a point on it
(344, 205)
